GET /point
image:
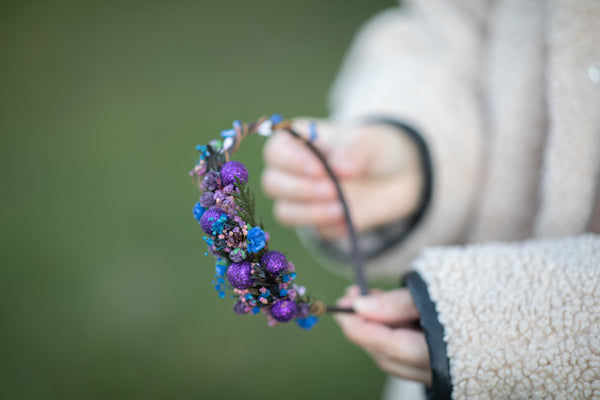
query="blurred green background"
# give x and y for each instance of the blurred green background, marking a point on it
(104, 289)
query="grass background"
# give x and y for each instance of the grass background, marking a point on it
(104, 289)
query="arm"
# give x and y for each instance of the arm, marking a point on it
(518, 320)
(415, 66)
(420, 64)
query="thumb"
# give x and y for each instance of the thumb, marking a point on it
(392, 307)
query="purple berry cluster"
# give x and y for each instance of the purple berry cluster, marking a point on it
(261, 280)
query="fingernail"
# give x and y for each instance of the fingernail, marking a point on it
(366, 304)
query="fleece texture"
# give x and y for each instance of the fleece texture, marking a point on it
(507, 95)
(522, 320)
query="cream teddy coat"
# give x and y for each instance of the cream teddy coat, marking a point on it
(506, 94)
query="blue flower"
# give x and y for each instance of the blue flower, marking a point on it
(198, 211)
(308, 322)
(256, 239)
(276, 118)
(203, 151)
(218, 226)
(228, 133)
(312, 129)
(220, 268)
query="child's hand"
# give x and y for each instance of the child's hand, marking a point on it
(378, 167)
(397, 351)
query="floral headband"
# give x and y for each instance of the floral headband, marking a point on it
(262, 280)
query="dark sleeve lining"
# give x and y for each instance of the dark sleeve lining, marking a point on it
(441, 388)
(391, 235)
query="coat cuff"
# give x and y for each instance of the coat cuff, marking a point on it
(521, 320)
(441, 386)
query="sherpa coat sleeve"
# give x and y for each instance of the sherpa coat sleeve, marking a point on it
(419, 65)
(520, 320)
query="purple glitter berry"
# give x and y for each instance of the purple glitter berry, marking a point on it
(284, 310)
(208, 219)
(239, 275)
(232, 169)
(274, 262)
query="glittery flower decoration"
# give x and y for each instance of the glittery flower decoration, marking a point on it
(259, 279)
(256, 240)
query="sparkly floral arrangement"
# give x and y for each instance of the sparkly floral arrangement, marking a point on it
(261, 279)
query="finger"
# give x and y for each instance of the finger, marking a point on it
(400, 370)
(404, 345)
(278, 183)
(293, 213)
(364, 199)
(284, 152)
(391, 307)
